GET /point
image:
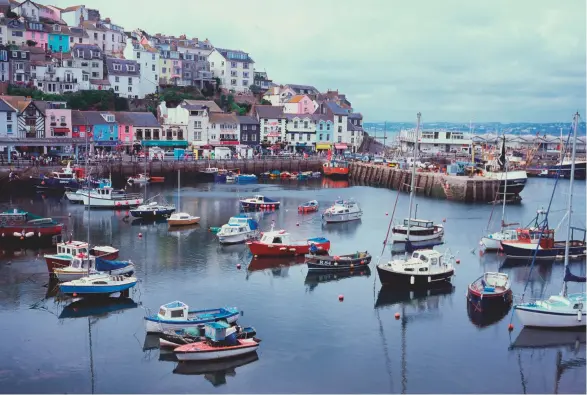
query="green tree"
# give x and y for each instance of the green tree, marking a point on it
(31, 43)
(218, 84)
(265, 102)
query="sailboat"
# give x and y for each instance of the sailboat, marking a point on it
(181, 219)
(563, 310)
(152, 209)
(415, 232)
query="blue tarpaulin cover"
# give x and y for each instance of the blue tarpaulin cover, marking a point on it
(103, 265)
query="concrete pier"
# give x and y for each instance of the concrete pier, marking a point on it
(437, 185)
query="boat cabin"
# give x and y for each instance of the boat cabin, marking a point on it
(12, 217)
(81, 263)
(63, 176)
(545, 238)
(277, 237)
(418, 227)
(423, 261)
(174, 311)
(73, 248)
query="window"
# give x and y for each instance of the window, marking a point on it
(153, 56)
(116, 79)
(115, 88)
(244, 127)
(104, 36)
(253, 136)
(305, 124)
(23, 54)
(197, 124)
(70, 39)
(16, 34)
(340, 129)
(131, 67)
(130, 80)
(244, 137)
(245, 65)
(116, 66)
(8, 129)
(153, 67)
(223, 63)
(308, 137)
(295, 124)
(197, 135)
(340, 139)
(232, 82)
(233, 73)
(245, 83)
(95, 36)
(138, 55)
(300, 136)
(79, 40)
(9, 116)
(352, 140)
(212, 64)
(95, 75)
(245, 75)
(130, 88)
(164, 70)
(327, 137)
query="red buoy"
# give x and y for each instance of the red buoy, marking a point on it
(140, 235)
(397, 316)
(74, 294)
(341, 297)
(238, 265)
(510, 327)
(458, 261)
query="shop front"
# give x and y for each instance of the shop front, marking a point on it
(340, 148)
(302, 148)
(323, 147)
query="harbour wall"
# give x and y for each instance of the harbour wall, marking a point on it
(436, 185)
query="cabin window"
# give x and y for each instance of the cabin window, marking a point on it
(162, 312)
(423, 269)
(416, 255)
(176, 313)
(277, 240)
(409, 269)
(578, 306)
(433, 261)
(423, 258)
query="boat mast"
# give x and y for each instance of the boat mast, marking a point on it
(178, 187)
(505, 185)
(561, 149)
(89, 194)
(570, 201)
(413, 180)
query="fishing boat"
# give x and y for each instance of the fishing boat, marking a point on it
(285, 174)
(239, 229)
(98, 284)
(529, 233)
(308, 207)
(176, 315)
(139, 179)
(181, 219)
(67, 250)
(19, 228)
(336, 169)
(545, 247)
(152, 210)
(562, 310)
(279, 243)
(76, 195)
(338, 262)
(342, 211)
(176, 338)
(108, 197)
(66, 178)
(423, 268)
(413, 232)
(84, 265)
(512, 182)
(491, 291)
(259, 202)
(221, 342)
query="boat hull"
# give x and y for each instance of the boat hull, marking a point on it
(30, 236)
(237, 238)
(340, 173)
(182, 222)
(260, 206)
(50, 183)
(221, 353)
(330, 263)
(74, 197)
(547, 319)
(111, 203)
(488, 302)
(96, 289)
(261, 249)
(403, 280)
(151, 213)
(527, 250)
(345, 217)
(155, 326)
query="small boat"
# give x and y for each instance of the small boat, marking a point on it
(108, 197)
(338, 262)
(152, 210)
(294, 175)
(285, 174)
(424, 268)
(239, 229)
(421, 232)
(176, 315)
(279, 243)
(209, 173)
(316, 174)
(221, 342)
(492, 242)
(220, 175)
(176, 338)
(265, 175)
(336, 169)
(67, 250)
(308, 207)
(139, 179)
(275, 174)
(58, 181)
(342, 211)
(157, 179)
(98, 284)
(84, 265)
(491, 291)
(76, 196)
(547, 248)
(245, 178)
(259, 202)
(182, 219)
(230, 178)
(21, 227)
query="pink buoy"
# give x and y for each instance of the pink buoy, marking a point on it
(341, 297)
(238, 265)
(297, 224)
(397, 316)
(140, 235)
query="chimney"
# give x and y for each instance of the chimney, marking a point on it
(107, 20)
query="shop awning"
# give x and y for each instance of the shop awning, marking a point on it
(60, 130)
(322, 146)
(274, 134)
(341, 146)
(164, 143)
(229, 142)
(105, 143)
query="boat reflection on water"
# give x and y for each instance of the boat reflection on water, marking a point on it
(215, 371)
(328, 183)
(279, 266)
(53, 290)
(341, 228)
(148, 221)
(183, 230)
(483, 319)
(151, 342)
(313, 278)
(166, 354)
(101, 307)
(563, 341)
(431, 296)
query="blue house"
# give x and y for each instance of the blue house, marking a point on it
(59, 39)
(104, 128)
(324, 132)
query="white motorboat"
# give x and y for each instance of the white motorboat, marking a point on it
(82, 266)
(563, 310)
(76, 196)
(177, 315)
(111, 198)
(239, 229)
(139, 179)
(98, 284)
(424, 269)
(417, 231)
(343, 211)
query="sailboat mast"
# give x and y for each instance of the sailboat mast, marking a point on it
(413, 180)
(505, 185)
(570, 201)
(178, 186)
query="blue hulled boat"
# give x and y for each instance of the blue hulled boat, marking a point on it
(176, 315)
(98, 284)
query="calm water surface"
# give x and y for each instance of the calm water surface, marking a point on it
(311, 341)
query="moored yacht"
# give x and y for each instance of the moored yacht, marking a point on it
(239, 229)
(342, 211)
(424, 268)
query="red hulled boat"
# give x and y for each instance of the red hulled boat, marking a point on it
(279, 243)
(20, 228)
(66, 251)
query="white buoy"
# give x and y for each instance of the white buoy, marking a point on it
(412, 279)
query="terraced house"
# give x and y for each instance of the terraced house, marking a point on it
(235, 68)
(124, 77)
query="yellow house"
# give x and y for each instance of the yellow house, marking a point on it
(165, 67)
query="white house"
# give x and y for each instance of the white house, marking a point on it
(278, 95)
(148, 58)
(300, 132)
(89, 59)
(53, 78)
(27, 9)
(233, 67)
(124, 77)
(272, 121)
(8, 120)
(199, 124)
(174, 122)
(109, 37)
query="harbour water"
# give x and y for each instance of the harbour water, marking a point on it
(312, 342)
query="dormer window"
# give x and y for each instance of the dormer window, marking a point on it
(131, 67)
(116, 66)
(56, 28)
(108, 117)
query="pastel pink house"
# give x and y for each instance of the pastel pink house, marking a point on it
(35, 31)
(57, 120)
(299, 104)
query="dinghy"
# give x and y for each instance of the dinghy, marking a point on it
(239, 229)
(186, 336)
(279, 243)
(308, 207)
(221, 342)
(176, 315)
(490, 291)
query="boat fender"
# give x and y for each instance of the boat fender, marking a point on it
(29, 234)
(154, 212)
(2, 234)
(429, 279)
(16, 234)
(335, 263)
(282, 249)
(39, 234)
(579, 315)
(412, 279)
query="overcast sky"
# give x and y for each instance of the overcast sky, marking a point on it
(482, 60)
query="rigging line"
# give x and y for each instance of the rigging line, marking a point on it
(385, 351)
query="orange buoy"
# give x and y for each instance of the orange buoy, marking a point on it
(397, 316)
(238, 265)
(341, 297)
(510, 327)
